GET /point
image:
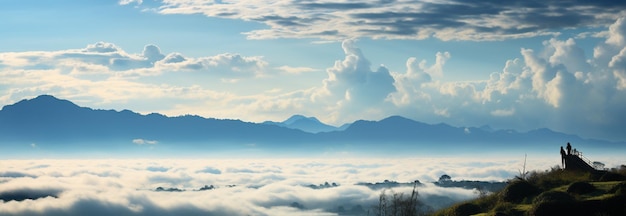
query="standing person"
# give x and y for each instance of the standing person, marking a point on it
(562, 157)
(569, 148)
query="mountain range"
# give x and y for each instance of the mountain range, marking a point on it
(47, 120)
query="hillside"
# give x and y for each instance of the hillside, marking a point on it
(553, 192)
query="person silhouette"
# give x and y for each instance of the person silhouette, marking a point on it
(562, 157)
(569, 148)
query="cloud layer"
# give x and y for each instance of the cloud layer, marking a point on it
(241, 186)
(405, 19)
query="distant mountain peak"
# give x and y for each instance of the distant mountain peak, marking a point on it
(304, 123)
(296, 118)
(48, 102)
(396, 118)
(46, 99)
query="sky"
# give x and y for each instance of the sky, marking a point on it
(508, 64)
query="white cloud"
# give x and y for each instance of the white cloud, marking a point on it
(617, 33)
(295, 70)
(268, 187)
(353, 86)
(223, 65)
(126, 2)
(409, 85)
(152, 53)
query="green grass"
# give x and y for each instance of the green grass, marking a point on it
(557, 181)
(524, 207)
(605, 186)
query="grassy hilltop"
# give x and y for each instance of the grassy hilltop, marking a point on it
(553, 192)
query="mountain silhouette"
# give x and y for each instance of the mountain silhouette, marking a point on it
(49, 120)
(307, 124)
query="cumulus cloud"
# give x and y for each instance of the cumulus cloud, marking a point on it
(272, 187)
(352, 85)
(409, 84)
(152, 53)
(412, 19)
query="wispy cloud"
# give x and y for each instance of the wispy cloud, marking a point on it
(411, 19)
(295, 70)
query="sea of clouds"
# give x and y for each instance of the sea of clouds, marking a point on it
(242, 186)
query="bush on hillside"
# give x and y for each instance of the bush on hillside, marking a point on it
(487, 202)
(556, 177)
(580, 188)
(555, 208)
(466, 209)
(555, 203)
(516, 191)
(505, 208)
(554, 196)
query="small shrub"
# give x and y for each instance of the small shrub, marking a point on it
(557, 177)
(487, 202)
(555, 208)
(555, 203)
(505, 208)
(395, 204)
(516, 191)
(553, 196)
(580, 188)
(466, 209)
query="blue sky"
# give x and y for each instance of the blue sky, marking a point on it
(508, 64)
